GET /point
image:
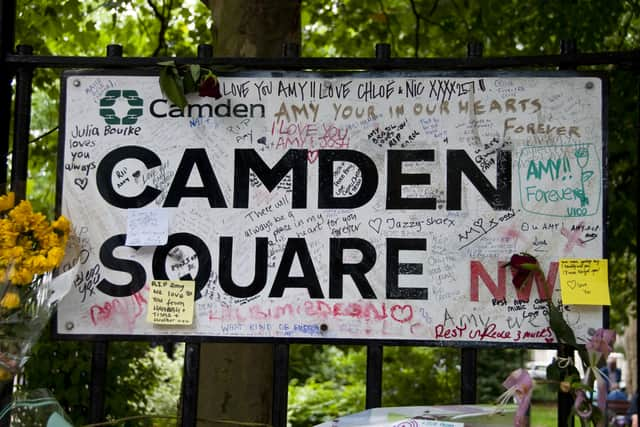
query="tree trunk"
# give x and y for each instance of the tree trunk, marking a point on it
(254, 28)
(236, 380)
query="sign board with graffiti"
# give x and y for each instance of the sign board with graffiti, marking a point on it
(368, 206)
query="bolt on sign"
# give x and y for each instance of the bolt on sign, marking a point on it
(369, 206)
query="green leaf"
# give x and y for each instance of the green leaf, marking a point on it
(171, 88)
(559, 326)
(194, 70)
(577, 385)
(189, 83)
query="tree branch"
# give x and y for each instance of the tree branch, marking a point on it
(416, 15)
(418, 18)
(164, 25)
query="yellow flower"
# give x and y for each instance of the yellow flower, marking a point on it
(7, 201)
(62, 225)
(21, 276)
(5, 375)
(29, 243)
(55, 256)
(22, 214)
(10, 301)
(38, 264)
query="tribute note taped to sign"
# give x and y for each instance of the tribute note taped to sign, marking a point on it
(147, 227)
(334, 206)
(171, 302)
(585, 281)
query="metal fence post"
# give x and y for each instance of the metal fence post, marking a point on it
(280, 385)
(373, 397)
(565, 401)
(97, 384)
(637, 177)
(99, 354)
(22, 123)
(469, 356)
(280, 393)
(19, 160)
(191, 371)
(7, 41)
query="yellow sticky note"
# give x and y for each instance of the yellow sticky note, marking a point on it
(171, 302)
(584, 281)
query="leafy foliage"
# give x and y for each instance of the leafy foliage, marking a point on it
(142, 379)
(420, 376)
(430, 28)
(155, 379)
(494, 365)
(331, 385)
(329, 381)
(63, 369)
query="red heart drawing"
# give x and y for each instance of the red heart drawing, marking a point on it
(312, 155)
(402, 313)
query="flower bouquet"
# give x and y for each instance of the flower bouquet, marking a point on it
(31, 248)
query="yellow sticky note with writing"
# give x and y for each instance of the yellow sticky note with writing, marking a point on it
(584, 281)
(171, 302)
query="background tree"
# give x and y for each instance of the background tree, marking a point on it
(239, 383)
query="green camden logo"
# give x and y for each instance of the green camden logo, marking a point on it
(109, 100)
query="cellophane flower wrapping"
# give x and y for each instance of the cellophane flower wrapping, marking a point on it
(35, 408)
(31, 248)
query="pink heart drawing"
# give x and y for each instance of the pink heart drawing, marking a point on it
(312, 155)
(402, 313)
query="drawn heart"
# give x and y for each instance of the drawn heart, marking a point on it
(402, 313)
(478, 222)
(375, 224)
(312, 155)
(571, 284)
(81, 182)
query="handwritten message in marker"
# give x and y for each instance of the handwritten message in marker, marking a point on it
(171, 302)
(147, 227)
(584, 281)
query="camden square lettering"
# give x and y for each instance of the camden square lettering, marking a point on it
(295, 161)
(161, 108)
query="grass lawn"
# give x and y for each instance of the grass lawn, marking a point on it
(544, 415)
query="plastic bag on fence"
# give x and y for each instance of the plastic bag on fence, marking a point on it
(35, 408)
